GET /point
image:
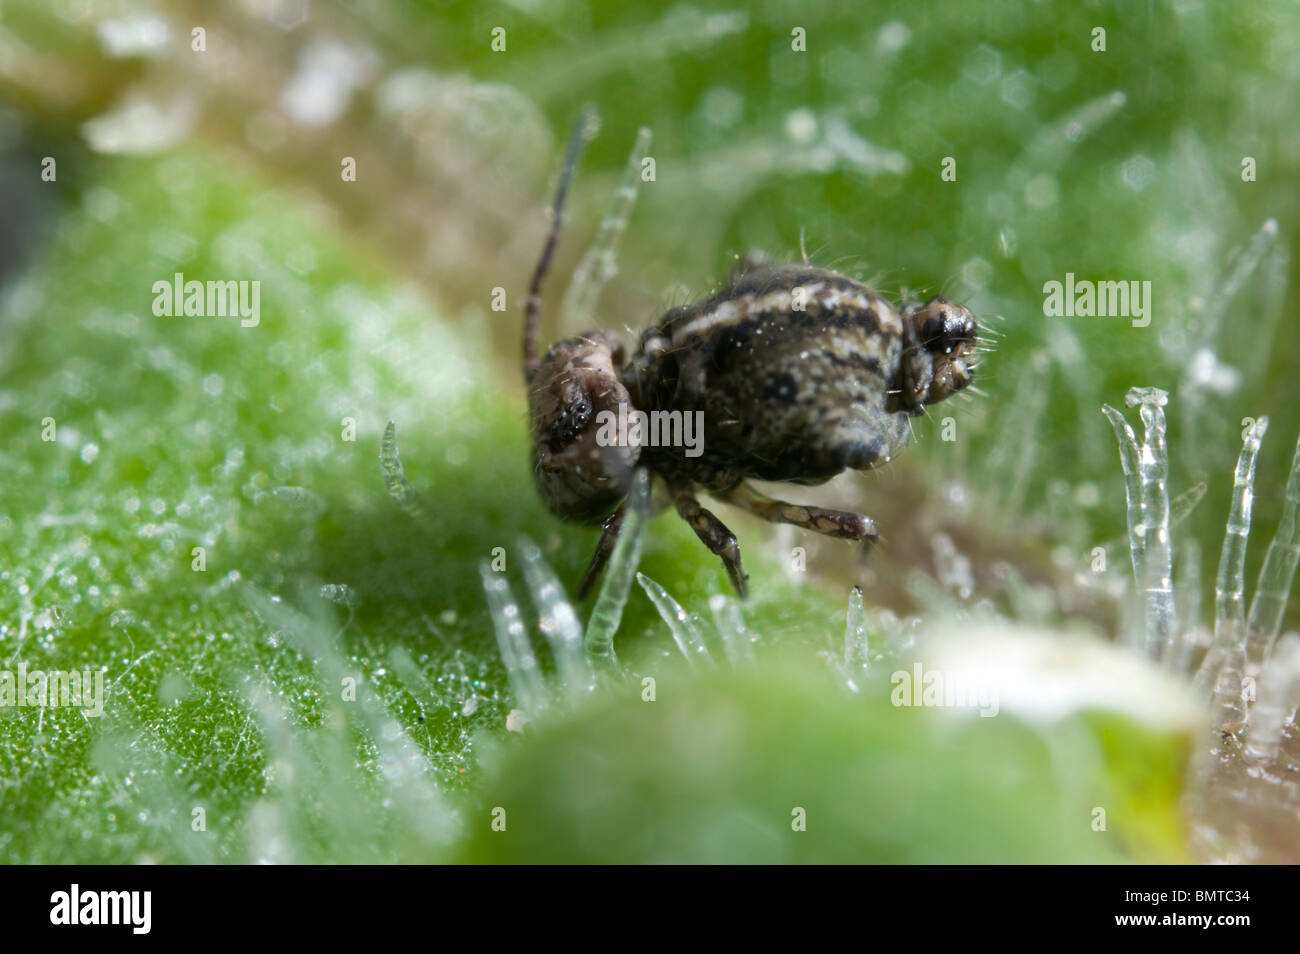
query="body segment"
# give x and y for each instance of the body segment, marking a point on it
(791, 367)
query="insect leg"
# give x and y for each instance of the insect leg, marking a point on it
(609, 532)
(533, 305)
(833, 523)
(713, 533)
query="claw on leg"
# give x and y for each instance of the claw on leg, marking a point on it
(609, 532)
(833, 523)
(713, 533)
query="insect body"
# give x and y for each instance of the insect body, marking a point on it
(796, 372)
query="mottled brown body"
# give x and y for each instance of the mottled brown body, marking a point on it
(792, 367)
(795, 373)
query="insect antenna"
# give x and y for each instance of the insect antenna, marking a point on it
(533, 306)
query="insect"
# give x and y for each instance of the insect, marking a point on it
(796, 372)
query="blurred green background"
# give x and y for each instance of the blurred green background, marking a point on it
(172, 433)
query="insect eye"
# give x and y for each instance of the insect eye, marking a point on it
(932, 329)
(571, 421)
(947, 326)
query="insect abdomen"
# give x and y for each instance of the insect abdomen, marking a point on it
(790, 367)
